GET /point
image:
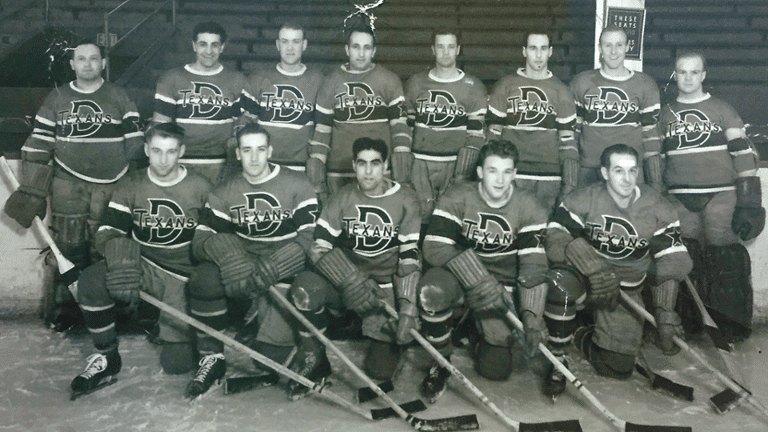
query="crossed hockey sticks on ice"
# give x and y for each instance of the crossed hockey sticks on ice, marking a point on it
(735, 387)
(619, 423)
(461, 423)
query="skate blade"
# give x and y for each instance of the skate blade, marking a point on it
(323, 384)
(106, 381)
(195, 398)
(242, 384)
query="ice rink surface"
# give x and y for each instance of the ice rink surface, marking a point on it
(37, 365)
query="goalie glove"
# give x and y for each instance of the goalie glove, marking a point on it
(604, 285)
(357, 290)
(123, 277)
(749, 215)
(30, 199)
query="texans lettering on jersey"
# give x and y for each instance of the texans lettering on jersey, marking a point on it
(163, 223)
(84, 119)
(372, 231)
(357, 103)
(261, 214)
(439, 110)
(616, 238)
(531, 107)
(206, 100)
(286, 103)
(610, 106)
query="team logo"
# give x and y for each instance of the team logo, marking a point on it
(206, 100)
(531, 107)
(373, 230)
(440, 109)
(491, 233)
(262, 214)
(691, 129)
(359, 101)
(286, 103)
(163, 223)
(83, 119)
(617, 238)
(611, 106)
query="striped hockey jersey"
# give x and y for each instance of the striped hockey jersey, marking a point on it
(446, 114)
(93, 135)
(509, 240)
(355, 104)
(160, 216)
(612, 111)
(538, 116)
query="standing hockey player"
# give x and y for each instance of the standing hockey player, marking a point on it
(283, 99)
(90, 130)
(610, 236)
(203, 97)
(446, 107)
(616, 105)
(365, 243)
(490, 236)
(535, 110)
(359, 99)
(145, 238)
(255, 233)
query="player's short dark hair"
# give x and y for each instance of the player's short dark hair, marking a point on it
(612, 29)
(365, 143)
(528, 34)
(293, 25)
(164, 130)
(445, 31)
(211, 27)
(252, 129)
(617, 149)
(501, 148)
(692, 54)
(361, 29)
(87, 42)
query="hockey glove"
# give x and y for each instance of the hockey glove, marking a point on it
(668, 322)
(357, 290)
(532, 302)
(236, 266)
(603, 285)
(482, 291)
(402, 164)
(315, 169)
(408, 316)
(123, 277)
(570, 177)
(30, 199)
(749, 215)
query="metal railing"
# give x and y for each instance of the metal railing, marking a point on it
(108, 46)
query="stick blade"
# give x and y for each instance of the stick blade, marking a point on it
(556, 426)
(719, 340)
(409, 407)
(240, 384)
(673, 388)
(725, 401)
(365, 394)
(632, 427)
(460, 423)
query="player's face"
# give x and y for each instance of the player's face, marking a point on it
(369, 170)
(496, 176)
(253, 153)
(621, 176)
(164, 154)
(360, 50)
(87, 63)
(208, 48)
(537, 52)
(446, 49)
(291, 44)
(690, 74)
(613, 48)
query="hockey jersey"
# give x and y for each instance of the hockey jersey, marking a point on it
(93, 135)
(538, 116)
(279, 209)
(612, 111)
(698, 158)
(205, 105)
(377, 233)
(446, 114)
(284, 104)
(509, 240)
(356, 104)
(160, 216)
(629, 239)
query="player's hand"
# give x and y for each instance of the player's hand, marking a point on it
(362, 299)
(408, 318)
(747, 222)
(23, 207)
(535, 332)
(604, 289)
(124, 284)
(668, 325)
(237, 276)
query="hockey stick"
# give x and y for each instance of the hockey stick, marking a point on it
(467, 422)
(320, 389)
(564, 426)
(698, 357)
(619, 423)
(69, 273)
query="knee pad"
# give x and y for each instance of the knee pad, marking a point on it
(91, 286)
(309, 291)
(607, 363)
(493, 362)
(566, 294)
(438, 290)
(178, 358)
(205, 282)
(381, 359)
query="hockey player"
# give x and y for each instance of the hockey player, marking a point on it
(359, 99)
(204, 98)
(255, 233)
(609, 236)
(446, 107)
(535, 110)
(616, 105)
(145, 237)
(365, 243)
(490, 236)
(89, 128)
(283, 99)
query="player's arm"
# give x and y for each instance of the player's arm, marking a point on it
(131, 129)
(443, 240)
(401, 159)
(117, 219)
(408, 271)
(467, 157)
(250, 106)
(496, 116)
(581, 110)
(653, 162)
(532, 268)
(749, 215)
(165, 100)
(568, 151)
(320, 143)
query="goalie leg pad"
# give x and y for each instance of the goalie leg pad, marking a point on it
(725, 287)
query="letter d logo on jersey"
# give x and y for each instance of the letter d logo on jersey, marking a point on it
(207, 94)
(444, 105)
(536, 104)
(693, 130)
(374, 230)
(171, 221)
(288, 103)
(360, 101)
(617, 238)
(85, 119)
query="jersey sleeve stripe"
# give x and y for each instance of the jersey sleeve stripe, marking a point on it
(322, 223)
(165, 99)
(439, 239)
(444, 214)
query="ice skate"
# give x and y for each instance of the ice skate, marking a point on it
(212, 370)
(312, 363)
(100, 372)
(435, 383)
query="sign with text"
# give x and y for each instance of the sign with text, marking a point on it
(633, 23)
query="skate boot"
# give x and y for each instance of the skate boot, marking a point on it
(100, 372)
(554, 382)
(435, 383)
(310, 362)
(212, 369)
